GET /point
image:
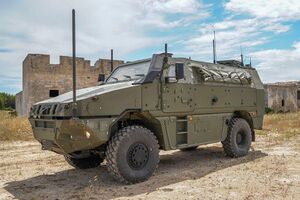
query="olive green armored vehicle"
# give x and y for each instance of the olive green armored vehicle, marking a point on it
(162, 103)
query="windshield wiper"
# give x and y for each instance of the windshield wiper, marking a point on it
(114, 78)
(142, 75)
(127, 76)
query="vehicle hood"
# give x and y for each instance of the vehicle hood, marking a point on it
(88, 92)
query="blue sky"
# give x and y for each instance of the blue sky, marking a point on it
(266, 31)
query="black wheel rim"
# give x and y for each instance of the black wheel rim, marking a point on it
(241, 139)
(137, 155)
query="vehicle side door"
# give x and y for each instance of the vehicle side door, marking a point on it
(177, 94)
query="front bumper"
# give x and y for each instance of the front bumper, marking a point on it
(69, 135)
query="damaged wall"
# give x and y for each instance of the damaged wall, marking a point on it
(43, 80)
(282, 97)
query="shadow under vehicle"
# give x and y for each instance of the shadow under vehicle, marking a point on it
(175, 167)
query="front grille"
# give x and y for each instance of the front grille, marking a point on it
(45, 110)
(44, 124)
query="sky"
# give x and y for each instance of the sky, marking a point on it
(266, 31)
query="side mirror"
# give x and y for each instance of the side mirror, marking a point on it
(101, 78)
(179, 71)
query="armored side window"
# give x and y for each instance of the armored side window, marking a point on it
(171, 72)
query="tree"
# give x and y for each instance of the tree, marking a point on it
(7, 101)
(1, 104)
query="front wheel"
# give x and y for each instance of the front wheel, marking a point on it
(238, 140)
(132, 154)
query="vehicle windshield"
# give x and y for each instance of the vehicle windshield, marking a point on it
(129, 72)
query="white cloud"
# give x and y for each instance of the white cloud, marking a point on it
(279, 9)
(252, 24)
(258, 22)
(174, 6)
(272, 16)
(231, 35)
(278, 64)
(40, 26)
(35, 26)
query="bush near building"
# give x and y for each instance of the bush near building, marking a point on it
(7, 101)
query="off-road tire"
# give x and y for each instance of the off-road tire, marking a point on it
(132, 154)
(189, 148)
(238, 140)
(94, 160)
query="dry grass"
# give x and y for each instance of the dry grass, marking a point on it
(276, 126)
(14, 128)
(281, 126)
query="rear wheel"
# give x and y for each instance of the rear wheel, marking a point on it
(238, 140)
(89, 161)
(132, 154)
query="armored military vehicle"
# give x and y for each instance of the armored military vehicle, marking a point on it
(162, 103)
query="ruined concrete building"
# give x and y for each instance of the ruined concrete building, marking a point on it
(42, 80)
(283, 96)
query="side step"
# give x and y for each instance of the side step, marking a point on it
(181, 130)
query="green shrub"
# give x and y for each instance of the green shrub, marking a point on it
(7, 101)
(269, 110)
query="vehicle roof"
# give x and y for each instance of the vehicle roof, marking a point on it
(135, 62)
(221, 64)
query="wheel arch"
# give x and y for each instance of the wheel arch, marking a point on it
(246, 116)
(136, 117)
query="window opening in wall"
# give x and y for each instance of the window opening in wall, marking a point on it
(298, 94)
(53, 93)
(282, 102)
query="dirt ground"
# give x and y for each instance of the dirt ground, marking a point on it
(270, 171)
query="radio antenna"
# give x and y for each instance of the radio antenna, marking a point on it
(166, 49)
(74, 64)
(111, 60)
(166, 54)
(242, 57)
(214, 48)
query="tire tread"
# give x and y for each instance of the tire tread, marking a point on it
(114, 145)
(228, 142)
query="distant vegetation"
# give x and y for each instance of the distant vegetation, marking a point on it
(269, 110)
(7, 101)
